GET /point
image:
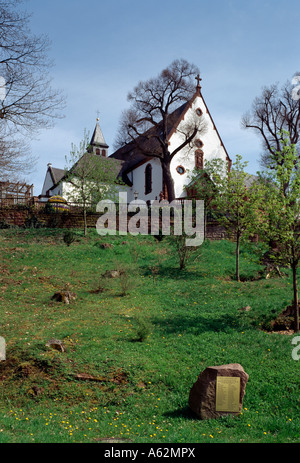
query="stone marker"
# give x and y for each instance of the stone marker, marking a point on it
(211, 397)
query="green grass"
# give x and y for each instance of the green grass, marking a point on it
(146, 349)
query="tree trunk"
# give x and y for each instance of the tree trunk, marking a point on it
(84, 221)
(295, 289)
(168, 180)
(238, 256)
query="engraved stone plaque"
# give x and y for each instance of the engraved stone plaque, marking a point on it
(2, 349)
(227, 394)
(219, 391)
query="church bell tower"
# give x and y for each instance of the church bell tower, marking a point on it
(98, 145)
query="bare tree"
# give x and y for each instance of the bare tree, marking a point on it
(272, 112)
(149, 121)
(15, 159)
(27, 100)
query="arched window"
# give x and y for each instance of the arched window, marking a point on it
(148, 179)
(104, 153)
(98, 151)
(199, 159)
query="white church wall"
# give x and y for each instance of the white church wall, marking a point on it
(212, 147)
(139, 181)
(124, 189)
(68, 191)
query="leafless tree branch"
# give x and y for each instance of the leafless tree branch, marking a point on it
(28, 102)
(273, 111)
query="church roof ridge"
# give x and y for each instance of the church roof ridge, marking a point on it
(61, 174)
(56, 173)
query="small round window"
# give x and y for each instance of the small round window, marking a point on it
(180, 170)
(199, 143)
(199, 112)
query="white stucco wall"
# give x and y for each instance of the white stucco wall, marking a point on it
(138, 179)
(71, 194)
(212, 147)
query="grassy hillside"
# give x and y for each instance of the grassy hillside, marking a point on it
(135, 344)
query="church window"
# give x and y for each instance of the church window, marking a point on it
(180, 170)
(199, 112)
(104, 153)
(199, 143)
(148, 179)
(98, 151)
(199, 159)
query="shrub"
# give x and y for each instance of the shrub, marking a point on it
(69, 237)
(100, 285)
(4, 225)
(32, 221)
(49, 209)
(142, 329)
(184, 253)
(126, 277)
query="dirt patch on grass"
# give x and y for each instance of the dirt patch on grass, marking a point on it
(116, 376)
(284, 323)
(15, 367)
(286, 332)
(4, 270)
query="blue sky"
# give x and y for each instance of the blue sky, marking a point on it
(102, 48)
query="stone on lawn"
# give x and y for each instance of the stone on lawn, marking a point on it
(111, 274)
(56, 344)
(202, 398)
(64, 296)
(106, 245)
(245, 309)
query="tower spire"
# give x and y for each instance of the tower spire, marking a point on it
(98, 144)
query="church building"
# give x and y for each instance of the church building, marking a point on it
(55, 179)
(142, 175)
